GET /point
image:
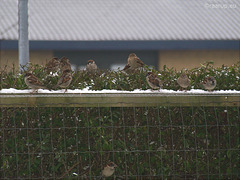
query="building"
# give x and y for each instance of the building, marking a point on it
(175, 33)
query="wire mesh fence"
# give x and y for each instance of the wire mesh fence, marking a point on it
(146, 142)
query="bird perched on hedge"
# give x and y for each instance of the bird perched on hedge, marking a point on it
(91, 66)
(52, 65)
(128, 69)
(33, 82)
(65, 79)
(183, 81)
(108, 170)
(153, 81)
(134, 62)
(209, 83)
(65, 64)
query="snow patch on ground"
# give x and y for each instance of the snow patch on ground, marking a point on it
(86, 90)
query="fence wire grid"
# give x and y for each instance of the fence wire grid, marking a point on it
(151, 142)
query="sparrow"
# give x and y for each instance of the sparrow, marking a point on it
(91, 66)
(209, 83)
(52, 65)
(33, 82)
(65, 79)
(128, 69)
(109, 169)
(134, 62)
(183, 81)
(65, 64)
(153, 81)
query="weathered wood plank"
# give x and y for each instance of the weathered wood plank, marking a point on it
(118, 100)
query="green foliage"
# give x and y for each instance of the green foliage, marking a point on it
(227, 78)
(166, 142)
(158, 142)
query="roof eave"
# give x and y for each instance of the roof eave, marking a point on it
(125, 45)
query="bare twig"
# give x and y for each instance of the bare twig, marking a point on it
(70, 169)
(86, 171)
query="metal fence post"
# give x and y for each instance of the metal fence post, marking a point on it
(23, 42)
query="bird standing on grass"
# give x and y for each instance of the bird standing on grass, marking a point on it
(209, 83)
(33, 82)
(65, 64)
(183, 81)
(65, 80)
(52, 65)
(108, 170)
(91, 66)
(153, 81)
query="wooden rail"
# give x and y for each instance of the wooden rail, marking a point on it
(118, 99)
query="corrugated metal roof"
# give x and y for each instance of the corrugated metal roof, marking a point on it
(124, 20)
